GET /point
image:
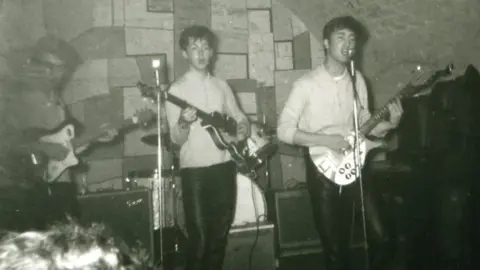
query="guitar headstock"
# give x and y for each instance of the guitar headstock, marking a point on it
(424, 80)
(149, 92)
(144, 116)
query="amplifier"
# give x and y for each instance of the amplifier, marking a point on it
(245, 248)
(294, 220)
(127, 213)
(296, 232)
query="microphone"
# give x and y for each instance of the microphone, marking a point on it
(156, 66)
(350, 52)
(352, 63)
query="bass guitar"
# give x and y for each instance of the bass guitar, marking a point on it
(65, 136)
(340, 167)
(222, 128)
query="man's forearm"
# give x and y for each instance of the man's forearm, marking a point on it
(310, 139)
(180, 133)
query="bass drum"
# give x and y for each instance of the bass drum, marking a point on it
(250, 205)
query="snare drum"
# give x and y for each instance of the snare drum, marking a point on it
(250, 204)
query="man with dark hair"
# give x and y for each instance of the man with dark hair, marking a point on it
(319, 112)
(207, 173)
(35, 106)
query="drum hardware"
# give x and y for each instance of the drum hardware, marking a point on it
(248, 210)
(151, 139)
(158, 183)
(259, 145)
(168, 244)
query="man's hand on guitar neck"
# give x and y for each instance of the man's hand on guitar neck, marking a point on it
(187, 117)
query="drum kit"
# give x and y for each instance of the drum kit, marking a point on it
(250, 202)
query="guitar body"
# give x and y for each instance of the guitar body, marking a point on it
(65, 136)
(340, 167)
(54, 168)
(226, 142)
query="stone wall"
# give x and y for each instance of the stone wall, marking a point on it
(403, 34)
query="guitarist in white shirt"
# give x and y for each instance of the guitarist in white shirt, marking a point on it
(208, 173)
(319, 112)
(36, 104)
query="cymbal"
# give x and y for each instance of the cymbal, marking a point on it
(151, 140)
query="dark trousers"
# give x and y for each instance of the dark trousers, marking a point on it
(209, 197)
(333, 212)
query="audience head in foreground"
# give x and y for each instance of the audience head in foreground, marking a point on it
(65, 246)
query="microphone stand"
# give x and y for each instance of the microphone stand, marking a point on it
(356, 154)
(158, 175)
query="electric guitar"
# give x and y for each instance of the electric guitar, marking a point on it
(340, 167)
(222, 129)
(65, 135)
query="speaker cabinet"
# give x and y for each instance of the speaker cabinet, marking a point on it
(127, 213)
(296, 232)
(294, 220)
(243, 242)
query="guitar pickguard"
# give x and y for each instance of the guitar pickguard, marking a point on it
(340, 167)
(56, 167)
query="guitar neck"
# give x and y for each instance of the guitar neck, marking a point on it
(183, 104)
(378, 116)
(90, 137)
(215, 119)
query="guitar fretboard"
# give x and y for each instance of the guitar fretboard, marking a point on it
(183, 104)
(121, 124)
(407, 91)
(378, 116)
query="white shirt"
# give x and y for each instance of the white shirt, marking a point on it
(208, 94)
(321, 103)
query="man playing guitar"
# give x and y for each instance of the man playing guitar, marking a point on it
(208, 173)
(35, 104)
(319, 112)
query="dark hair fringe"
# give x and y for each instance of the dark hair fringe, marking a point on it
(196, 32)
(344, 22)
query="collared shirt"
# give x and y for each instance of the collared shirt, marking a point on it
(208, 94)
(321, 103)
